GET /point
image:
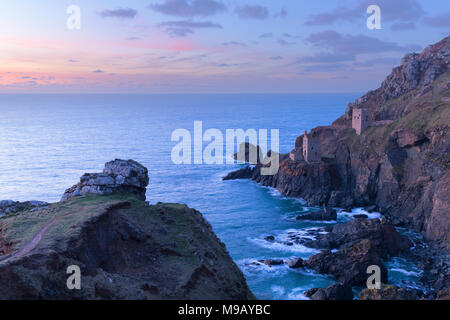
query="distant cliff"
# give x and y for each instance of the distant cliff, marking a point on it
(400, 163)
(125, 248)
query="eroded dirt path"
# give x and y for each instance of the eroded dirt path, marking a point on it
(34, 242)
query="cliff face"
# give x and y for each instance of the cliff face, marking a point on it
(125, 248)
(400, 163)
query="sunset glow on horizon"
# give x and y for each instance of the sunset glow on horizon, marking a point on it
(209, 46)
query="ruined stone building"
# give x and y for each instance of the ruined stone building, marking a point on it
(312, 151)
(360, 120)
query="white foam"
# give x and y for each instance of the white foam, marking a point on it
(277, 246)
(278, 290)
(277, 194)
(254, 267)
(357, 211)
(406, 272)
(297, 294)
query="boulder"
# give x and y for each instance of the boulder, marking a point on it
(337, 291)
(272, 262)
(309, 293)
(444, 294)
(349, 265)
(325, 214)
(10, 206)
(295, 263)
(244, 173)
(118, 176)
(384, 236)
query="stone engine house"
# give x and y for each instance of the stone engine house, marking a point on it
(360, 120)
(312, 151)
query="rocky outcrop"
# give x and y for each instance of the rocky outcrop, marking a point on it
(124, 247)
(248, 153)
(388, 292)
(244, 173)
(325, 214)
(335, 291)
(444, 294)
(349, 265)
(383, 236)
(119, 176)
(401, 165)
(295, 263)
(10, 206)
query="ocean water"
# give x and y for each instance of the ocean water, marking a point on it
(48, 141)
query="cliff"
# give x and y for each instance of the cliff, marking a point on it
(400, 163)
(125, 248)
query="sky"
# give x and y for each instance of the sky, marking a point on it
(210, 46)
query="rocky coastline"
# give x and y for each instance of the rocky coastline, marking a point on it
(124, 247)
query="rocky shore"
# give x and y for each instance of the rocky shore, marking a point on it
(398, 165)
(125, 248)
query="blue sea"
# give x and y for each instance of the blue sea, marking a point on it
(48, 141)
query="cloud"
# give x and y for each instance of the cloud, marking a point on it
(234, 43)
(189, 8)
(440, 21)
(403, 26)
(252, 12)
(98, 71)
(184, 28)
(276, 58)
(266, 35)
(223, 65)
(331, 67)
(132, 38)
(354, 44)
(391, 11)
(376, 61)
(123, 13)
(284, 42)
(282, 14)
(73, 61)
(288, 35)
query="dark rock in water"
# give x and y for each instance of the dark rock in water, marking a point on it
(244, 173)
(295, 263)
(444, 294)
(309, 293)
(272, 262)
(269, 238)
(325, 214)
(349, 265)
(248, 153)
(385, 237)
(119, 176)
(360, 216)
(335, 291)
(388, 292)
(370, 209)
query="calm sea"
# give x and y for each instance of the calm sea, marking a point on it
(48, 141)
